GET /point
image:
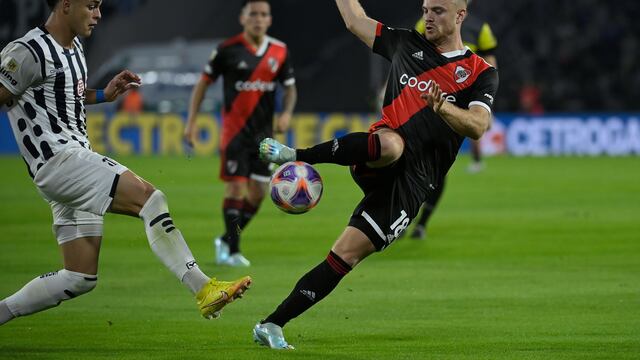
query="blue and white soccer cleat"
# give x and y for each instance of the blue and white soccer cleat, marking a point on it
(271, 150)
(237, 260)
(222, 251)
(270, 334)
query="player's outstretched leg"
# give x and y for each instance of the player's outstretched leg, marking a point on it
(377, 149)
(78, 277)
(350, 248)
(354, 148)
(46, 291)
(136, 197)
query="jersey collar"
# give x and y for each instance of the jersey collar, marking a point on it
(456, 53)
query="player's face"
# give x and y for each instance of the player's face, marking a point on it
(256, 18)
(441, 18)
(83, 15)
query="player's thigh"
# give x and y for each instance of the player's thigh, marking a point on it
(353, 246)
(80, 179)
(79, 235)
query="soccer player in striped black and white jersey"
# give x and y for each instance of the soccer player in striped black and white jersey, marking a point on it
(43, 78)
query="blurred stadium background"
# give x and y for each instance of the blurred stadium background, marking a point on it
(536, 257)
(568, 72)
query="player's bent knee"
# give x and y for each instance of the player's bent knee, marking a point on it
(49, 290)
(391, 146)
(391, 149)
(79, 283)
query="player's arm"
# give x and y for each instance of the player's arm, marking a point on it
(5, 95)
(289, 103)
(120, 84)
(197, 96)
(472, 123)
(357, 21)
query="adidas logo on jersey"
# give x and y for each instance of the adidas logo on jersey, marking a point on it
(310, 294)
(243, 65)
(419, 55)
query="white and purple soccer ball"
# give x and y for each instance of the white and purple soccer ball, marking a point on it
(296, 187)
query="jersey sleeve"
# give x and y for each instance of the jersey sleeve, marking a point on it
(287, 76)
(388, 40)
(484, 89)
(19, 69)
(215, 66)
(487, 42)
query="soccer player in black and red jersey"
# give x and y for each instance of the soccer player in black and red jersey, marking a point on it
(438, 93)
(251, 64)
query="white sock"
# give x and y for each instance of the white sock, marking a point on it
(48, 290)
(168, 244)
(5, 314)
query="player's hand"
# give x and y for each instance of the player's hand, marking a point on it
(434, 97)
(120, 84)
(282, 123)
(190, 133)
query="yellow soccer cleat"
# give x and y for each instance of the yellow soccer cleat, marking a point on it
(215, 294)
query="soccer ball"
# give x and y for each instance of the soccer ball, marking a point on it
(296, 187)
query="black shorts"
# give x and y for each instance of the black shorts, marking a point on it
(392, 199)
(240, 162)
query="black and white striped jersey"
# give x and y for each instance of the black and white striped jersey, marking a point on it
(48, 113)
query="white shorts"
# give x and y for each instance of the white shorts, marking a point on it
(79, 184)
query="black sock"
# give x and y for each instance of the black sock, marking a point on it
(351, 149)
(430, 205)
(310, 289)
(248, 211)
(232, 213)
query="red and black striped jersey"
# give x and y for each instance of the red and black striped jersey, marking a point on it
(250, 76)
(416, 64)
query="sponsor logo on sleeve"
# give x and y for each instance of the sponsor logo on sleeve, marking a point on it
(7, 75)
(10, 65)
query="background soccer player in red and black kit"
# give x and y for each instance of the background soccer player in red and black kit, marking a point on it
(438, 93)
(251, 64)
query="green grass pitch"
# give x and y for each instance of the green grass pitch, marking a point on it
(531, 259)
